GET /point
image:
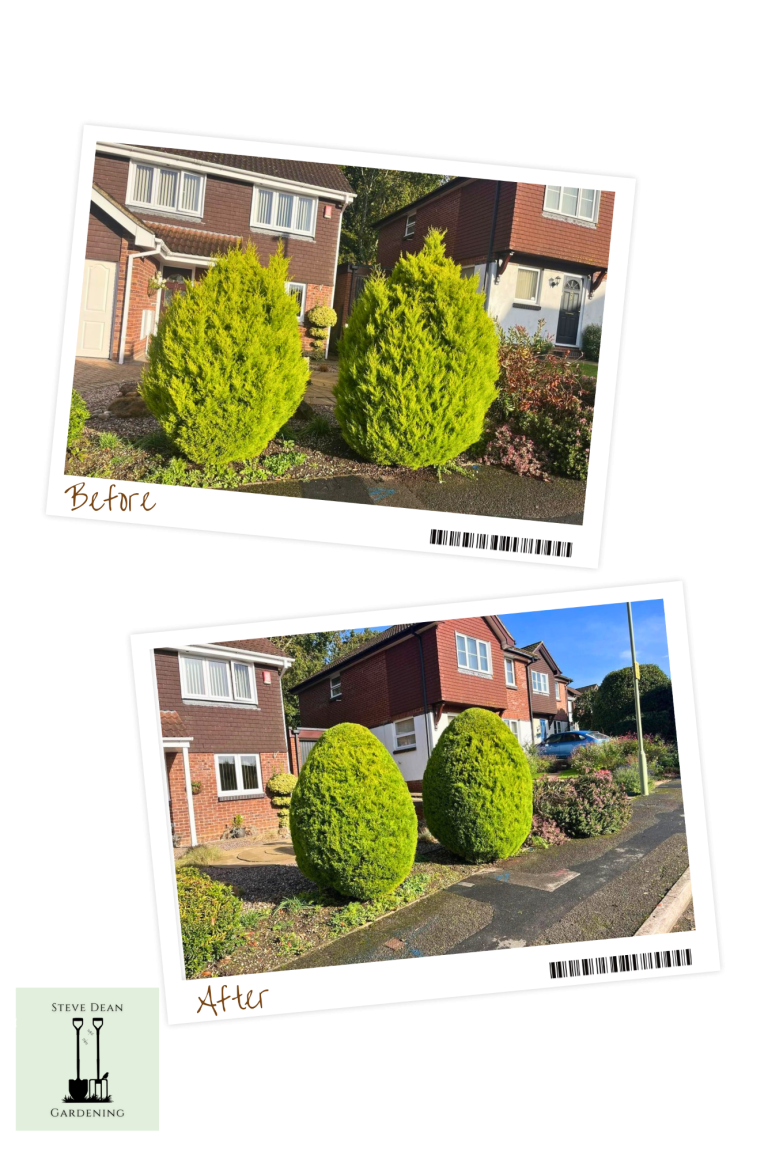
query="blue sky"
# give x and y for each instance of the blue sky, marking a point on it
(587, 643)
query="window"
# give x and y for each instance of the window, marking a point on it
(217, 679)
(509, 672)
(405, 734)
(238, 775)
(169, 189)
(335, 687)
(562, 726)
(514, 727)
(410, 225)
(299, 292)
(527, 285)
(283, 211)
(557, 689)
(473, 655)
(540, 682)
(578, 203)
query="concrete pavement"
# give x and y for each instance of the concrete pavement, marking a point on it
(594, 889)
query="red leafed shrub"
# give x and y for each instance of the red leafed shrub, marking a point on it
(545, 829)
(517, 453)
(584, 805)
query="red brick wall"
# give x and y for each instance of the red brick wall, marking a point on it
(103, 241)
(364, 697)
(227, 209)
(518, 707)
(465, 213)
(214, 816)
(536, 234)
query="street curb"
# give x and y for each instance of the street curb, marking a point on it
(669, 910)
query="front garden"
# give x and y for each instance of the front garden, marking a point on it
(361, 855)
(427, 385)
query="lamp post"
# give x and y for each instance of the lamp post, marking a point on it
(643, 763)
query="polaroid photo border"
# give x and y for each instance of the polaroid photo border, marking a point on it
(368, 524)
(502, 970)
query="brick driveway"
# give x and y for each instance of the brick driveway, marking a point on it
(96, 373)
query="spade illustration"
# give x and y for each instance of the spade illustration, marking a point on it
(99, 1086)
(78, 1089)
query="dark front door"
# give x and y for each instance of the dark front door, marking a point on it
(570, 309)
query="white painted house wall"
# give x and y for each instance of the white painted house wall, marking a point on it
(411, 762)
(502, 299)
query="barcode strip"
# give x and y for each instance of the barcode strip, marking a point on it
(493, 543)
(633, 962)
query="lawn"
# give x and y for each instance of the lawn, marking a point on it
(588, 367)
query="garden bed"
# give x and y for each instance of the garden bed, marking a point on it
(285, 915)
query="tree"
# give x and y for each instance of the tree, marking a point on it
(379, 192)
(311, 652)
(613, 705)
(226, 367)
(582, 708)
(417, 363)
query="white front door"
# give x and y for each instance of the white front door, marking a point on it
(96, 309)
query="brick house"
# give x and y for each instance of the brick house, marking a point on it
(541, 251)
(166, 213)
(551, 698)
(223, 733)
(408, 683)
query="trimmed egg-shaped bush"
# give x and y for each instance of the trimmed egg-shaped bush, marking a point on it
(477, 792)
(352, 819)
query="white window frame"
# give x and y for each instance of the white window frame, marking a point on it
(293, 284)
(570, 215)
(152, 203)
(147, 322)
(514, 727)
(509, 666)
(272, 225)
(544, 679)
(335, 682)
(410, 225)
(465, 667)
(528, 299)
(557, 690)
(399, 735)
(240, 790)
(208, 695)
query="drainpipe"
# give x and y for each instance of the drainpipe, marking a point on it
(530, 703)
(127, 296)
(491, 239)
(424, 697)
(190, 800)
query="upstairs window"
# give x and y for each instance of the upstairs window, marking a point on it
(210, 679)
(473, 655)
(410, 225)
(283, 211)
(527, 285)
(299, 293)
(405, 734)
(335, 687)
(578, 203)
(557, 689)
(167, 189)
(540, 682)
(238, 775)
(509, 673)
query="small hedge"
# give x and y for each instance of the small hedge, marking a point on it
(78, 414)
(353, 823)
(321, 317)
(590, 341)
(280, 788)
(477, 788)
(584, 805)
(210, 919)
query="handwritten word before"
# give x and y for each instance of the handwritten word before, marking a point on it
(123, 501)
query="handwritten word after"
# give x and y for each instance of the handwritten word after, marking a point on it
(124, 501)
(207, 1001)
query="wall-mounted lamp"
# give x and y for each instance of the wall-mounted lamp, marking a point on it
(554, 281)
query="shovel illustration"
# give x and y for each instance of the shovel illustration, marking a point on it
(78, 1089)
(99, 1089)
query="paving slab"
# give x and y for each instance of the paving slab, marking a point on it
(268, 852)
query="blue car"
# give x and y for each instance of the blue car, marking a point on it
(562, 745)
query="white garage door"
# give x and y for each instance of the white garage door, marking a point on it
(96, 309)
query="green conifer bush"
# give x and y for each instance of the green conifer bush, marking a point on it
(78, 414)
(352, 819)
(477, 792)
(226, 368)
(417, 363)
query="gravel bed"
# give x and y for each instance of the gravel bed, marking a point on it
(127, 426)
(99, 397)
(261, 883)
